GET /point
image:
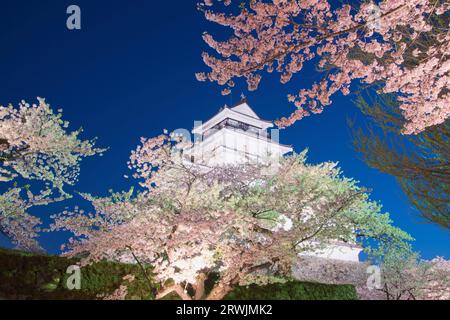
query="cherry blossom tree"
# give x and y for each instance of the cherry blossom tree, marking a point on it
(395, 43)
(245, 223)
(35, 147)
(406, 277)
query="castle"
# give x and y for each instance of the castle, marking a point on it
(237, 135)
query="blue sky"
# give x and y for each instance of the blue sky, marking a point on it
(129, 72)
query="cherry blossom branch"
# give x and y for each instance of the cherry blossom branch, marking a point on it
(300, 46)
(144, 272)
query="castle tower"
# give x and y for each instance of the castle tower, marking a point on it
(235, 135)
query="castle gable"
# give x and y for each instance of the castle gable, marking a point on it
(245, 109)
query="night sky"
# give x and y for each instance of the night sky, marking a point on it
(129, 72)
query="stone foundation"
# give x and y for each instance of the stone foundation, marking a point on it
(330, 271)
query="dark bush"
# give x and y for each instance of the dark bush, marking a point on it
(294, 290)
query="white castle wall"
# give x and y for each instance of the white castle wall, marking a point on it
(228, 146)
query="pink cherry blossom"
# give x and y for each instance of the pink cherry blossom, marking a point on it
(245, 223)
(35, 145)
(286, 34)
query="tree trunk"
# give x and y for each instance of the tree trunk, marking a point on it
(218, 292)
(200, 286)
(175, 288)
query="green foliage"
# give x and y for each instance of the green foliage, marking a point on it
(294, 290)
(420, 163)
(26, 276)
(30, 276)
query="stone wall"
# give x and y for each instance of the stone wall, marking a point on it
(329, 271)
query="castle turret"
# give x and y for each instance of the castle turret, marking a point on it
(235, 135)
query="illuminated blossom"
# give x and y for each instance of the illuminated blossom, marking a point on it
(35, 145)
(368, 43)
(244, 223)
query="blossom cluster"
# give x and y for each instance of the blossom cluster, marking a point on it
(244, 223)
(395, 43)
(35, 147)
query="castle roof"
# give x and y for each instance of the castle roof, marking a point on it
(241, 112)
(243, 108)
